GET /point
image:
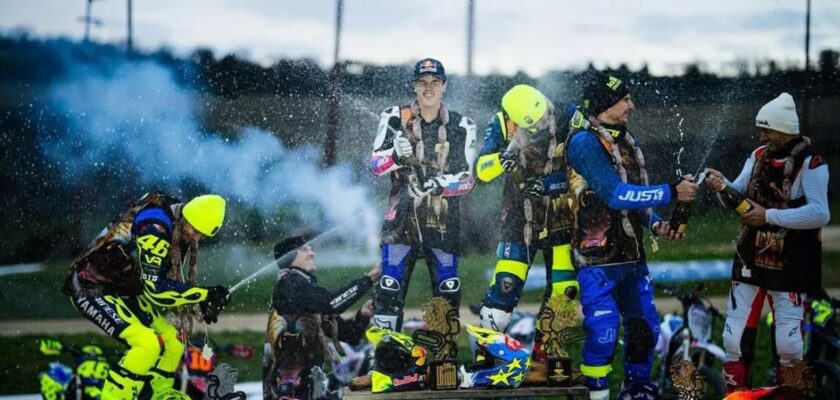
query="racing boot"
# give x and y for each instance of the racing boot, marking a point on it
(122, 385)
(163, 387)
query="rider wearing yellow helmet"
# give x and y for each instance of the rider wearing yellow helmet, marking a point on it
(522, 141)
(132, 271)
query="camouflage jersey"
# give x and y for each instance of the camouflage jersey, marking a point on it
(770, 256)
(107, 266)
(546, 217)
(611, 197)
(433, 220)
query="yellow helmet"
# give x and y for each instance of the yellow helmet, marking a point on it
(524, 105)
(205, 213)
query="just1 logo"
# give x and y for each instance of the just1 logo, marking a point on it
(642, 195)
(389, 283)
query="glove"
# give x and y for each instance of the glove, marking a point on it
(434, 186)
(508, 160)
(217, 299)
(533, 187)
(403, 150)
(417, 191)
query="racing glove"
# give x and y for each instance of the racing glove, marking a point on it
(403, 150)
(217, 299)
(533, 187)
(434, 185)
(508, 160)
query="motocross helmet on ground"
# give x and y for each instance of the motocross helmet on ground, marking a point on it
(500, 361)
(54, 382)
(398, 363)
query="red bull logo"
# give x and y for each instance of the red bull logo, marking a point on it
(428, 66)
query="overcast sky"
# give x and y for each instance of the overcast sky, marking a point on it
(528, 35)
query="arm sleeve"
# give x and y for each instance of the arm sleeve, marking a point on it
(814, 214)
(587, 157)
(462, 182)
(555, 184)
(382, 160)
(488, 166)
(740, 183)
(294, 295)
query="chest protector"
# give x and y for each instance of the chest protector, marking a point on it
(773, 257)
(106, 266)
(601, 235)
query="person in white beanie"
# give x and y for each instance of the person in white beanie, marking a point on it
(778, 253)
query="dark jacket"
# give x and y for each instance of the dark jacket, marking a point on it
(297, 293)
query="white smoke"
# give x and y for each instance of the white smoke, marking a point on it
(135, 113)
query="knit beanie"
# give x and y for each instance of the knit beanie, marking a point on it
(289, 245)
(602, 92)
(779, 115)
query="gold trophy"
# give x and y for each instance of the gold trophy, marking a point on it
(441, 338)
(558, 322)
(687, 381)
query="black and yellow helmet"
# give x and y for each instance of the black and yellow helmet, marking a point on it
(398, 364)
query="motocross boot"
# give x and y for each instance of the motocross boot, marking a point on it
(122, 385)
(163, 387)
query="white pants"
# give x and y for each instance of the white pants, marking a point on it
(743, 312)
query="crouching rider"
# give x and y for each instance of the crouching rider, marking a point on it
(303, 314)
(131, 272)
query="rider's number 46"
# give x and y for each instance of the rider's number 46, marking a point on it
(153, 249)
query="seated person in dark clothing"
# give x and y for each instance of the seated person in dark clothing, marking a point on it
(303, 314)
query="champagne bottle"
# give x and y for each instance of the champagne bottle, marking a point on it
(679, 217)
(734, 200)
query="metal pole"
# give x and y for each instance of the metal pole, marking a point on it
(470, 35)
(129, 46)
(87, 20)
(333, 93)
(807, 100)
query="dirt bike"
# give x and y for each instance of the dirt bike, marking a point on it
(82, 381)
(822, 345)
(685, 347)
(195, 372)
(297, 373)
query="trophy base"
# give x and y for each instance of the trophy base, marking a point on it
(443, 375)
(559, 372)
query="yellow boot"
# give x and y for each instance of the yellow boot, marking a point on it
(163, 387)
(122, 385)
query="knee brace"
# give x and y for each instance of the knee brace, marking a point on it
(390, 296)
(640, 341)
(509, 277)
(788, 342)
(144, 349)
(445, 277)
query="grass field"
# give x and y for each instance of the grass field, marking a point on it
(20, 360)
(38, 295)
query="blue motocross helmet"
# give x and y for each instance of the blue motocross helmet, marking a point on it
(501, 361)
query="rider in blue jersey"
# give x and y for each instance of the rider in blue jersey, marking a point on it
(612, 202)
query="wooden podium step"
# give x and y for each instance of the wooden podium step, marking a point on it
(554, 392)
